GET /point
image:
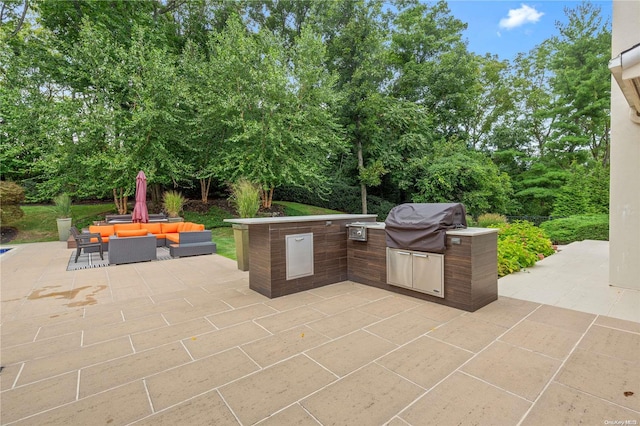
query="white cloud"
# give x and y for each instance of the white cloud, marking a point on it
(518, 17)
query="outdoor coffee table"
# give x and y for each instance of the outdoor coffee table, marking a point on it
(132, 249)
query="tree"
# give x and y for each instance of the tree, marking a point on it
(456, 174)
(278, 112)
(581, 83)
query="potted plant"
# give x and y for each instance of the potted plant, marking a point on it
(173, 201)
(62, 208)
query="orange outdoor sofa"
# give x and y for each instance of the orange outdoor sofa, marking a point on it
(167, 234)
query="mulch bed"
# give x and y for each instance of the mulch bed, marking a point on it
(8, 234)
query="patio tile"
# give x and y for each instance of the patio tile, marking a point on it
(343, 323)
(618, 323)
(562, 318)
(8, 376)
(113, 331)
(117, 406)
(158, 308)
(545, 339)
(207, 409)
(437, 312)
(74, 359)
(603, 376)
(505, 311)
(283, 345)
(109, 374)
(24, 321)
(339, 304)
(293, 415)
(403, 327)
(181, 315)
(468, 333)
(221, 340)
(167, 334)
(12, 336)
(291, 301)
(337, 289)
(516, 370)
(20, 402)
(106, 318)
(564, 406)
(388, 306)
(371, 395)
(285, 320)
(255, 397)
(464, 400)
(190, 380)
(350, 352)
(128, 292)
(371, 293)
(40, 348)
(614, 343)
(237, 316)
(241, 300)
(422, 361)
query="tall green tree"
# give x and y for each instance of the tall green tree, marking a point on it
(581, 84)
(279, 112)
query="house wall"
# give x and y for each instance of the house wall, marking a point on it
(624, 222)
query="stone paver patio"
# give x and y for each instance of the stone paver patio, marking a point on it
(186, 342)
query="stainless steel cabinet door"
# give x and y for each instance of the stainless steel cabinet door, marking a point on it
(428, 273)
(299, 255)
(399, 271)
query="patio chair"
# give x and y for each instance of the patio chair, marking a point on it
(83, 240)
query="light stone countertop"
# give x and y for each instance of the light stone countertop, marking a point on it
(290, 219)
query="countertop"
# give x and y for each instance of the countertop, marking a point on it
(290, 219)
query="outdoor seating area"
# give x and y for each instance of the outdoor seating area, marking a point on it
(137, 242)
(187, 342)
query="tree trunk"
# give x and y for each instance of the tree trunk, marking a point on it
(120, 200)
(205, 184)
(267, 197)
(363, 187)
(156, 196)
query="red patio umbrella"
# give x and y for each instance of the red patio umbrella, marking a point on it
(140, 213)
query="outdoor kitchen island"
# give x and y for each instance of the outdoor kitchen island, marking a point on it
(470, 269)
(297, 253)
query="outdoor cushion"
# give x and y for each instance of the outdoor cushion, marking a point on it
(104, 239)
(197, 227)
(174, 238)
(168, 228)
(132, 233)
(153, 228)
(126, 227)
(103, 230)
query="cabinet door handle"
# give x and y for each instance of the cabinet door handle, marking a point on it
(404, 253)
(300, 239)
(420, 255)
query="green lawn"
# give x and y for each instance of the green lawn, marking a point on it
(39, 222)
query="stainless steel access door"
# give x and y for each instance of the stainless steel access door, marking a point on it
(399, 269)
(428, 273)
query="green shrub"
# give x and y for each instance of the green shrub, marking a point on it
(245, 197)
(520, 245)
(62, 206)
(11, 195)
(578, 228)
(173, 202)
(488, 219)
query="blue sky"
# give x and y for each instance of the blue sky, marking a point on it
(506, 28)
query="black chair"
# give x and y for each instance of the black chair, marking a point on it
(83, 240)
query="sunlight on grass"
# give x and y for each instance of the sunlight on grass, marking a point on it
(297, 209)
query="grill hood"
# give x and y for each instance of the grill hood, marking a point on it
(423, 226)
